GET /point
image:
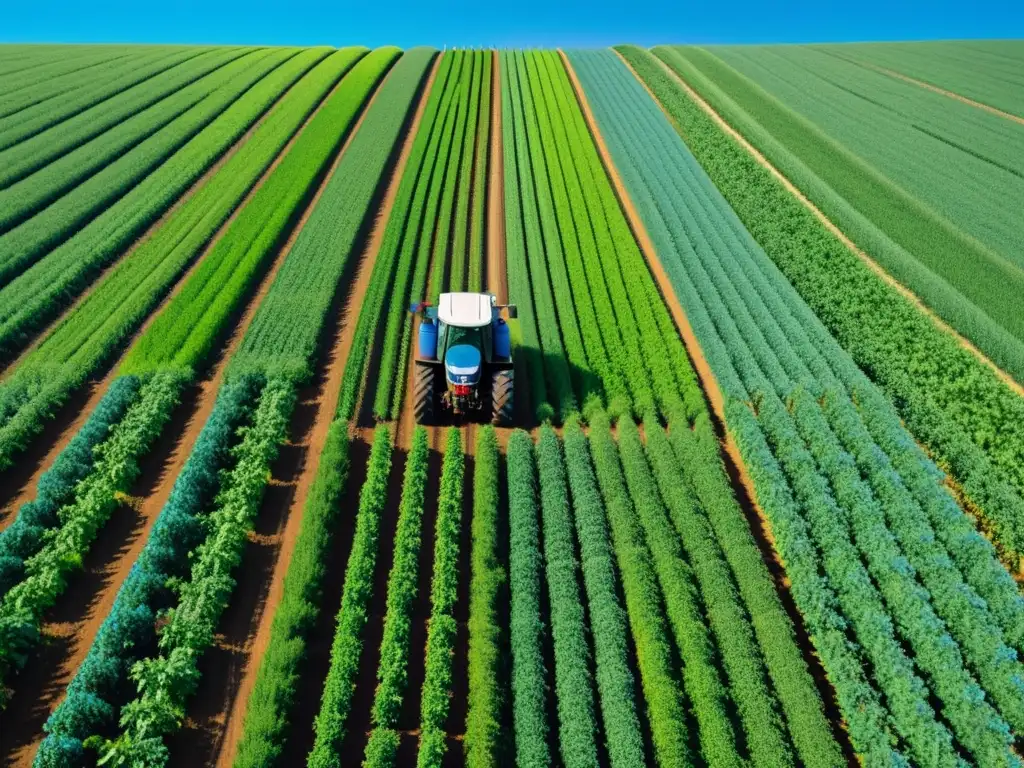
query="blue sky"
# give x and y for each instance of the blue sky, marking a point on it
(503, 24)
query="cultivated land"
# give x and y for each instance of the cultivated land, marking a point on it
(763, 503)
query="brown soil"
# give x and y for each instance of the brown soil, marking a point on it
(497, 274)
(20, 482)
(115, 551)
(743, 485)
(322, 410)
(1016, 387)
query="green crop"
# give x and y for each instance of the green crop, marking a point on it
(37, 134)
(608, 628)
(526, 629)
(348, 642)
(487, 583)
(392, 672)
(435, 700)
(98, 327)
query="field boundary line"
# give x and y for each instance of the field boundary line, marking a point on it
(1006, 378)
(930, 87)
(334, 364)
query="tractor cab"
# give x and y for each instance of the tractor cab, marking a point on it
(465, 357)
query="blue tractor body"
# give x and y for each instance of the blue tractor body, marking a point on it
(464, 360)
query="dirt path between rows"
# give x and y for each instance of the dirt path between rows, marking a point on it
(160, 470)
(322, 411)
(497, 273)
(20, 481)
(1008, 380)
(746, 493)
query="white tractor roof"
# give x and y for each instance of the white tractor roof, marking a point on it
(465, 310)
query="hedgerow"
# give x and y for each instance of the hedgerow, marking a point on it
(348, 641)
(608, 628)
(392, 672)
(488, 579)
(435, 700)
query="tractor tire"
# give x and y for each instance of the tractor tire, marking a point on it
(424, 395)
(502, 398)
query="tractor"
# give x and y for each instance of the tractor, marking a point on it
(464, 361)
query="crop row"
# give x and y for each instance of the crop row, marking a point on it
(50, 78)
(39, 293)
(166, 679)
(137, 144)
(348, 642)
(432, 197)
(487, 584)
(764, 347)
(561, 348)
(97, 328)
(41, 211)
(100, 686)
(52, 557)
(392, 672)
(632, 350)
(46, 131)
(238, 501)
(967, 432)
(967, 277)
(394, 238)
(435, 699)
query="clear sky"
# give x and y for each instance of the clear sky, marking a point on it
(504, 24)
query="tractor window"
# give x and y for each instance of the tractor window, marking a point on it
(469, 336)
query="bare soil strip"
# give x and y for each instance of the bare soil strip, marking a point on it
(20, 481)
(743, 485)
(322, 410)
(863, 256)
(497, 273)
(151, 492)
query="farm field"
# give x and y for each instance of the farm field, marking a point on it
(759, 496)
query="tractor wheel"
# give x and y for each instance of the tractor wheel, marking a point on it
(502, 401)
(424, 395)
